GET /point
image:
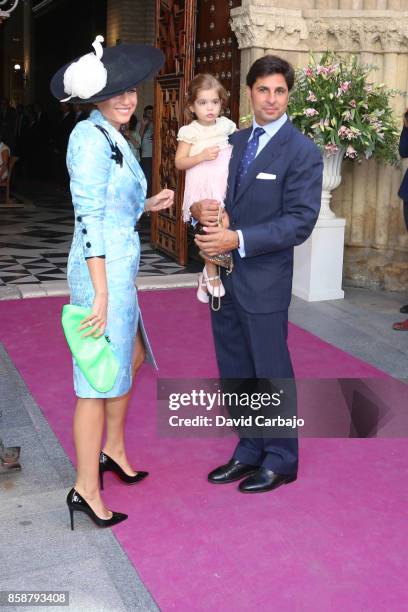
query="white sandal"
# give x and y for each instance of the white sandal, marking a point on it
(202, 294)
(218, 291)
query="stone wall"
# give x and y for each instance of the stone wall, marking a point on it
(132, 21)
(377, 30)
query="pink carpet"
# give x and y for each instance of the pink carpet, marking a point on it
(334, 540)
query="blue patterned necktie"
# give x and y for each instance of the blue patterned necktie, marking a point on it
(249, 154)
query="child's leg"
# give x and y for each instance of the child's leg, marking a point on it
(214, 286)
(212, 273)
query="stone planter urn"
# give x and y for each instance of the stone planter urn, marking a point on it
(331, 180)
(318, 262)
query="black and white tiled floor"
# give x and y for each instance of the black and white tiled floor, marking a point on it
(34, 246)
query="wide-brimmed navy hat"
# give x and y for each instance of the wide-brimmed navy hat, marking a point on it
(98, 76)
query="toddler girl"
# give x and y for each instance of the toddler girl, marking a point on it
(203, 151)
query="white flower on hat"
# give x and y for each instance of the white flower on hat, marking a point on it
(87, 76)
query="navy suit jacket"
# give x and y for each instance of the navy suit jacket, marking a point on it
(273, 215)
(403, 151)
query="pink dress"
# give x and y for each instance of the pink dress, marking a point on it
(207, 179)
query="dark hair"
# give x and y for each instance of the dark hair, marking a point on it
(271, 64)
(133, 123)
(204, 81)
(6, 137)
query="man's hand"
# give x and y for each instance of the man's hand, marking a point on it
(210, 153)
(225, 220)
(206, 212)
(217, 240)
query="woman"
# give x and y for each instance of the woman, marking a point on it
(108, 192)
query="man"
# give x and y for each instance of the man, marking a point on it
(8, 122)
(63, 130)
(41, 134)
(7, 116)
(273, 201)
(403, 194)
(146, 153)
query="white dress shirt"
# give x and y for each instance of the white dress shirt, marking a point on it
(270, 130)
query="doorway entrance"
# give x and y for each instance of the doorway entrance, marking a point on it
(195, 36)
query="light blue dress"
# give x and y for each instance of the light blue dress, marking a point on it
(108, 191)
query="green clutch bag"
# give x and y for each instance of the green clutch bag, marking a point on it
(94, 356)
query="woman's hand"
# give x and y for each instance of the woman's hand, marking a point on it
(210, 153)
(96, 321)
(164, 199)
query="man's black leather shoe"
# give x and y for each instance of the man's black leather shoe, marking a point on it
(404, 309)
(265, 480)
(232, 471)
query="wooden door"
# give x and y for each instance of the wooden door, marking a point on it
(175, 33)
(217, 48)
(195, 36)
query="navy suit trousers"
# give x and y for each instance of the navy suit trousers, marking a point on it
(255, 346)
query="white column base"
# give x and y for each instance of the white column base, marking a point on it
(318, 263)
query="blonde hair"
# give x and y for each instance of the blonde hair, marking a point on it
(200, 82)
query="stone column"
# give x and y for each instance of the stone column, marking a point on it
(377, 30)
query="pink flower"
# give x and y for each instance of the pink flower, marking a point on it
(310, 112)
(345, 132)
(331, 148)
(311, 97)
(353, 103)
(333, 69)
(345, 86)
(351, 152)
(326, 70)
(368, 88)
(308, 71)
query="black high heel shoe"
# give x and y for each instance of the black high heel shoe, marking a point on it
(75, 501)
(106, 464)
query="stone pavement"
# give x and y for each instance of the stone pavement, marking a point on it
(35, 242)
(38, 550)
(55, 288)
(361, 325)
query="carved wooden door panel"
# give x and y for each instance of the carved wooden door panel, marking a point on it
(195, 36)
(175, 35)
(217, 48)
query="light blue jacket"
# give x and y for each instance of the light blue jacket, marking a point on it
(107, 199)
